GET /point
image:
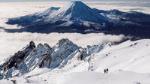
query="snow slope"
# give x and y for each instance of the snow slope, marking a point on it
(98, 78)
(128, 62)
(122, 60)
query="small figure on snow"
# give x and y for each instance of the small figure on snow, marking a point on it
(106, 70)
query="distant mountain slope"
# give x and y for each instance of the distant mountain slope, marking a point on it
(78, 17)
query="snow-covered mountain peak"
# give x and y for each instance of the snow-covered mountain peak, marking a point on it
(64, 41)
(77, 4)
(78, 17)
(78, 11)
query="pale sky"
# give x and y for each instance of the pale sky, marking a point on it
(71, 0)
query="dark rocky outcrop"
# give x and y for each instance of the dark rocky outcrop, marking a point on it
(18, 57)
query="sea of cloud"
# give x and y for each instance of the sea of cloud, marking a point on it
(12, 42)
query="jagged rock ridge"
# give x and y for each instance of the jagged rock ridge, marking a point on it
(43, 55)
